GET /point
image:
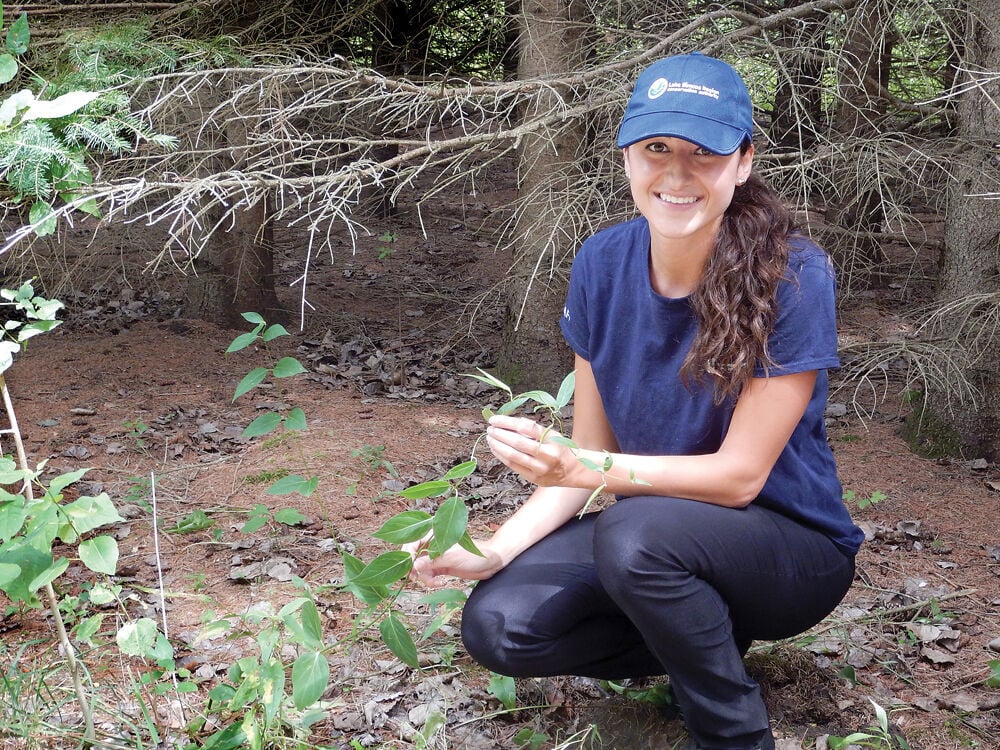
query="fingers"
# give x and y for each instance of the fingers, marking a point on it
(423, 572)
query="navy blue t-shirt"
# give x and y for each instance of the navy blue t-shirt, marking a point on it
(636, 341)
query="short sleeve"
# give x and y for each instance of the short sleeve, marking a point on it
(574, 322)
(805, 330)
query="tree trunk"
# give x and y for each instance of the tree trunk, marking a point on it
(234, 272)
(798, 106)
(971, 261)
(863, 72)
(534, 354)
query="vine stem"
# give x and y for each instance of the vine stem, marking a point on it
(50, 593)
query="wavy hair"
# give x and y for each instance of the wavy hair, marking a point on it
(735, 301)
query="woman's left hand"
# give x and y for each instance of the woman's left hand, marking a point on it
(527, 447)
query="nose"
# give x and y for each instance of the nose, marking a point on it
(676, 169)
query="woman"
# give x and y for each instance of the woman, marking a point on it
(702, 332)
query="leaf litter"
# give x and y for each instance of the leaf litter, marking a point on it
(915, 633)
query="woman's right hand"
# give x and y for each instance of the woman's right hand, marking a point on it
(456, 562)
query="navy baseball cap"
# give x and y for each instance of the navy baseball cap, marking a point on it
(694, 97)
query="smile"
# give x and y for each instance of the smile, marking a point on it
(676, 199)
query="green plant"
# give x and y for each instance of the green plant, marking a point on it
(503, 689)
(387, 238)
(993, 680)
(878, 736)
(530, 738)
(379, 583)
(372, 458)
(262, 699)
(269, 421)
(45, 143)
(864, 501)
(34, 520)
(260, 515)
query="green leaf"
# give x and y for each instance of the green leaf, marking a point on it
(12, 517)
(196, 520)
(449, 597)
(434, 488)
(272, 688)
(87, 513)
(100, 554)
(312, 626)
(8, 71)
(48, 575)
(468, 545)
(8, 572)
(19, 35)
(370, 595)
(230, 738)
(566, 390)
(385, 569)
(511, 406)
(490, 380)
(286, 367)
(274, 331)
(31, 561)
(254, 523)
(310, 676)
(449, 525)
(136, 638)
(30, 330)
(541, 397)
(43, 218)
(250, 381)
(294, 483)
(503, 689)
(61, 482)
(87, 628)
(396, 637)
(262, 425)
(290, 517)
(558, 439)
(242, 341)
(295, 419)
(460, 471)
(405, 527)
(994, 680)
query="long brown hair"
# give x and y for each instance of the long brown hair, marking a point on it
(735, 301)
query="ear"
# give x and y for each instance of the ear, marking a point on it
(628, 169)
(745, 166)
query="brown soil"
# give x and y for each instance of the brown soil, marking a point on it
(145, 398)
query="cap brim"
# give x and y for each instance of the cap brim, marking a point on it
(717, 137)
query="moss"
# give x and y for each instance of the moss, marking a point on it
(930, 436)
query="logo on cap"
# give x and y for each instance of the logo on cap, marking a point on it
(658, 88)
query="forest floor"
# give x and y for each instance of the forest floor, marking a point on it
(144, 397)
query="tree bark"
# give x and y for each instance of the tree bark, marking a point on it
(971, 260)
(534, 354)
(797, 112)
(863, 73)
(234, 272)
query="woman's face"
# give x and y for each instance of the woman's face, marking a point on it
(682, 189)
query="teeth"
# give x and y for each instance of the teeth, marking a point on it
(674, 199)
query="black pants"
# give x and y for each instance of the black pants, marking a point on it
(657, 585)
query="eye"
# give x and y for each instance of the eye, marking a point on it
(657, 147)
(704, 152)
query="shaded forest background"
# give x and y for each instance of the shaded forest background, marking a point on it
(878, 123)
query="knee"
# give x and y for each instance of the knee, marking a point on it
(638, 538)
(487, 637)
